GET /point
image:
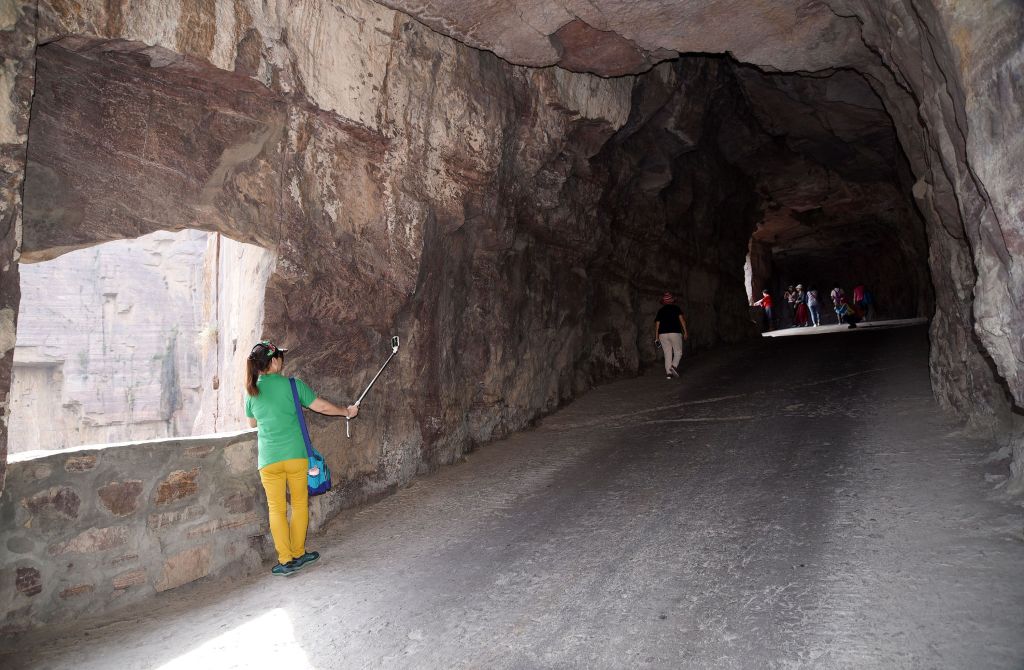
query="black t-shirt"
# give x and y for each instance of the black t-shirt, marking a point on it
(668, 319)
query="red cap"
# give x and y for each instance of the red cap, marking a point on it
(667, 298)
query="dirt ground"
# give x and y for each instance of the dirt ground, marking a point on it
(797, 502)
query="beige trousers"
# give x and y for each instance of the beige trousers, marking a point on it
(672, 347)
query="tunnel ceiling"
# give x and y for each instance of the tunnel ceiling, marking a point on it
(616, 37)
(412, 184)
(126, 139)
(833, 180)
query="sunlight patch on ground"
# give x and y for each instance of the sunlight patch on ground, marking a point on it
(264, 642)
(833, 328)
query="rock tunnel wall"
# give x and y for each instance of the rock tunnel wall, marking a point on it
(423, 189)
(412, 185)
(948, 74)
(513, 225)
(954, 88)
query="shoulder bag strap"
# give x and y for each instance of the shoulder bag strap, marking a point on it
(302, 419)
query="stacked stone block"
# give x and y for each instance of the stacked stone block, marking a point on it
(87, 530)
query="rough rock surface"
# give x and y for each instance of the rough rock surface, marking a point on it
(391, 212)
(147, 517)
(814, 161)
(515, 225)
(948, 73)
(17, 44)
(409, 184)
(135, 340)
(389, 178)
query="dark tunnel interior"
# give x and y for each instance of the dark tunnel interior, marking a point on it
(718, 164)
(717, 160)
(512, 192)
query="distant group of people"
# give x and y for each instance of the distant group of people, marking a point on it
(803, 307)
(851, 313)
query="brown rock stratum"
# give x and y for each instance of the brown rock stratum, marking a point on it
(948, 75)
(515, 225)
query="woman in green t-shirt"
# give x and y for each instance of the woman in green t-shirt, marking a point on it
(282, 451)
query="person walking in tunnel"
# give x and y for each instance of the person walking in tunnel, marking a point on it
(670, 331)
(789, 298)
(838, 298)
(282, 460)
(765, 303)
(869, 306)
(858, 297)
(812, 306)
(801, 316)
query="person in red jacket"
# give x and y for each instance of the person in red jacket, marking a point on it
(766, 303)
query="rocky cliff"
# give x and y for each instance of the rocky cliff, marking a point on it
(113, 330)
(126, 341)
(948, 75)
(514, 225)
(447, 197)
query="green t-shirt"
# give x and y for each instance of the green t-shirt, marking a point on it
(279, 437)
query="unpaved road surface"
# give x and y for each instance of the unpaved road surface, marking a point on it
(795, 503)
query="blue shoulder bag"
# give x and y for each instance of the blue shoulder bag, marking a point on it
(319, 476)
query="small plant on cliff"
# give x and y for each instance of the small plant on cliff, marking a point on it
(207, 334)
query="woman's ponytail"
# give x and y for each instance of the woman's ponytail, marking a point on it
(252, 374)
(259, 362)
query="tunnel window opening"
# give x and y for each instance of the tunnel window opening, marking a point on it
(758, 268)
(135, 340)
(748, 277)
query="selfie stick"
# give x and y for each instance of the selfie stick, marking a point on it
(394, 350)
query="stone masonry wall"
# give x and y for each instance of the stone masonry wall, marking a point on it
(84, 530)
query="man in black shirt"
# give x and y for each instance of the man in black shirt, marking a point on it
(670, 331)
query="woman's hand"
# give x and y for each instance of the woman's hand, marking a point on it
(330, 409)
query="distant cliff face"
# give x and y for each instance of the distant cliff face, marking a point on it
(121, 342)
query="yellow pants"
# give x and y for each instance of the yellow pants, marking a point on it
(289, 538)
